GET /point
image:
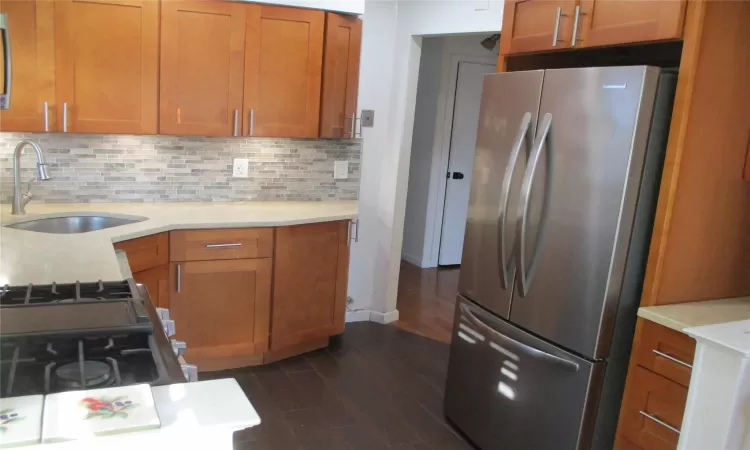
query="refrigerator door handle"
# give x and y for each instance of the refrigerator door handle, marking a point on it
(527, 276)
(529, 350)
(523, 137)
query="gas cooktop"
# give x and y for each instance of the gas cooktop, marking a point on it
(62, 337)
(75, 309)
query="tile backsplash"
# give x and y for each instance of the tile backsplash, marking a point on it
(124, 168)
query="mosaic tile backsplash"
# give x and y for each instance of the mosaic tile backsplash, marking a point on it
(124, 168)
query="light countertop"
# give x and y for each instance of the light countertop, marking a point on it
(41, 258)
(696, 314)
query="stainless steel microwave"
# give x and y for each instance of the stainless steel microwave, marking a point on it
(5, 74)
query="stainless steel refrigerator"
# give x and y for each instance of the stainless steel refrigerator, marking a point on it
(566, 176)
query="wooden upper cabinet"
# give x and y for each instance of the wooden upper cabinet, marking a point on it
(32, 40)
(338, 107)
(611, 22)
(529, 25)
(311, 264)
(202, 54)
(221, 310)
(107, 65)
(283, 65)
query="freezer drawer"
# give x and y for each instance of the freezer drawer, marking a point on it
(507, 389)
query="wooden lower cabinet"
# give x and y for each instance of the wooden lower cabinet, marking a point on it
(311, 265)
(221, 310)
(156, 280)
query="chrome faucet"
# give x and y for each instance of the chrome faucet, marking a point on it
(20, 200)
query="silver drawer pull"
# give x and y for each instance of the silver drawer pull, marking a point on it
(664, 424)
(236, 244)
(672, 358)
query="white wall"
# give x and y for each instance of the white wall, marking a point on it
(430, 140)
(391, 46)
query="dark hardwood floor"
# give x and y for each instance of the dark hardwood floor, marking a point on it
(427, 300)
(376, 387)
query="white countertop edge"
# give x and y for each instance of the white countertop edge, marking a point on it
(733, 336)
(662, 320)
(162, 228)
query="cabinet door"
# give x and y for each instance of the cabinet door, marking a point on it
(311, 264)
(652, 410)
(221, 309)
(610, 22)
(338, 107)
(747, 157)
(156, 280)
(107, 65)
(32, 45)
(283, 64)
(202, 53)
(529, 25)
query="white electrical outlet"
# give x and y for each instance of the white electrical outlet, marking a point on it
(341, 170)
(239, 168)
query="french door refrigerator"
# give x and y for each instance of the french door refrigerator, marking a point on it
(567, 170)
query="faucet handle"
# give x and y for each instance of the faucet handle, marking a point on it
(27, 196)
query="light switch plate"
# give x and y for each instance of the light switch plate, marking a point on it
(240, 168)
(340, 170)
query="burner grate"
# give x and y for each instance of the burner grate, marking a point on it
(73, 292)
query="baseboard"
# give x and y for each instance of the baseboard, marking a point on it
(359, 315)
(411, 259)
(387, 317)
(364, 315)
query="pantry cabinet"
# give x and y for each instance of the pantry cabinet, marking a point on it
(106, 65)
(32, 42)
(202, 58)
(540, 25)
(283, 64)
(338, 107)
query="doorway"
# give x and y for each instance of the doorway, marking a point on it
(463, 138)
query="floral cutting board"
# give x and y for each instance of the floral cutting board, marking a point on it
(20, 420)
(95, 412)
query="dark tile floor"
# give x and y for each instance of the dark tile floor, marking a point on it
(376, 387)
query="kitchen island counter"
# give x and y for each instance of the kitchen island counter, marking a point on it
(696, 314)
(42, 258)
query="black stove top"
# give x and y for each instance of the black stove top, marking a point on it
(62, 337)
(72, 310)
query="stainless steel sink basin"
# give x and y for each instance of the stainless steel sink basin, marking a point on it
(73, 224)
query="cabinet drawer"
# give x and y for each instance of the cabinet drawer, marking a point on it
(652, 411)
(146, 252)
(233, 243)
(666, 352)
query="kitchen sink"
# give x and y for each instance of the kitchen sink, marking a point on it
(74, 224)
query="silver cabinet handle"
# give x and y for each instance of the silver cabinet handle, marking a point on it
(544, 137)
(356, 230)
(236, 244)
(577, 14)
(672, 358)
(235, 132)
(252, 122)
(557, 26)
(529, 350)
(5, 32)
(664, 424)
(179, 278)
(354, 121)
(65, 117)
(46, 116)
(522, 137)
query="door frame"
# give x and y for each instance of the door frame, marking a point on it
(441, 153)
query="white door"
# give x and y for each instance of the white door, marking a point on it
(461, 159)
